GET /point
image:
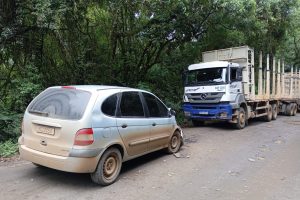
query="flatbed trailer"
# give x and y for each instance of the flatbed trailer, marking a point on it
(240, 92)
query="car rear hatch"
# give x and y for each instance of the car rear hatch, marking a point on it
(53, 118)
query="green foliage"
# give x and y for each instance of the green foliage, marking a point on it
(144, 44)
(8, 148)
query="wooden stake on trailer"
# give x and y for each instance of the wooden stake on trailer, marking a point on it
(260, 84)
(291, 82)
(252, 78)
(299, 84)
(273, 77)
(278, 80)
(268, 77)
(283, 80)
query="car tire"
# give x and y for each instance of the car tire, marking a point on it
(174, 143)
(241, 119)
(108, 168)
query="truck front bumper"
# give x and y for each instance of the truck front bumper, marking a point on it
(207, 111)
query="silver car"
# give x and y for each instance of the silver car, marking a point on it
(93, 129)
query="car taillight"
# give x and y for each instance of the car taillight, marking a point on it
(84, 137)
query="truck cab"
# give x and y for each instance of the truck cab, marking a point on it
(212, 90)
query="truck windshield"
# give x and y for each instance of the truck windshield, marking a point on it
(206, 76)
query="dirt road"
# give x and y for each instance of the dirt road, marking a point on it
(217, 162)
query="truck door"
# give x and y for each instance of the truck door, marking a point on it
(235, 82)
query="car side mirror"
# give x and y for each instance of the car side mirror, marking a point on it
(171, 112)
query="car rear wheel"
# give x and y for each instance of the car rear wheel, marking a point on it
(108, 168)
(174, 143)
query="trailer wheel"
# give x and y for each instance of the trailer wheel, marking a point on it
(289, 109)
(241, 119)
(269, 115)
(274, 111)
(295, 109)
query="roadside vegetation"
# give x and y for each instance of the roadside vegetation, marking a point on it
(145, 44)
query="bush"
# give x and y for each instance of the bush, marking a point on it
(8, 148)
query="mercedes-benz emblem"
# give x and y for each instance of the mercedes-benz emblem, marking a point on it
(203, 96)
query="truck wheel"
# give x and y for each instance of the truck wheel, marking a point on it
(108, 168)
(198, 123)
(274, 111)
(295, 109)
(241, 119)
(269, 115)
(289, 109)
(175, 143)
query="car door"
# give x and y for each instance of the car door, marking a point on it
(132, 124)
(161, 123)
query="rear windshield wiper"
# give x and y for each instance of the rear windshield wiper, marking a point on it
(39, 112)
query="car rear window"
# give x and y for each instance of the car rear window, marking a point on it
(61, 103)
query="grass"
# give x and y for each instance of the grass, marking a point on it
(8, 148)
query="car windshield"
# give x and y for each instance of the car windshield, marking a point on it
(60, 103)
(206, 76)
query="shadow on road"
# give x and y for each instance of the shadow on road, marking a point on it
(228, 126)
(74, 180)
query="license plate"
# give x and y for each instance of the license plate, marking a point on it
(203, 113)
(45, 130)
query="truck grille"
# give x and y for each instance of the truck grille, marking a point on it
(213, 97)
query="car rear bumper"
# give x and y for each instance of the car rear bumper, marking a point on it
(68, 164)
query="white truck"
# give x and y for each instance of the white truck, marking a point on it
(224, 87)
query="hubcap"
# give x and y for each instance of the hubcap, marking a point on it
(242, 118)
(174, 142)
(110, 166)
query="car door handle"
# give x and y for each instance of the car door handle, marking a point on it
(154, 124)
(124, 126)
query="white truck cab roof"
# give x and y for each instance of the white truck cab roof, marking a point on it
(213, 64)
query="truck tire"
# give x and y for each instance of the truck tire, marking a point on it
(241, 119)
(198, 123)
(295, 109)
(274, 111)
(269, 115)
(289, 109)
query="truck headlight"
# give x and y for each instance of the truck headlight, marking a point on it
(223, 115)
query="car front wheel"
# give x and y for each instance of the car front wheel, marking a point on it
(174, 143)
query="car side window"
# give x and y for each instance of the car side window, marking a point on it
(109, 105)
(155, 107)
(131, 105)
